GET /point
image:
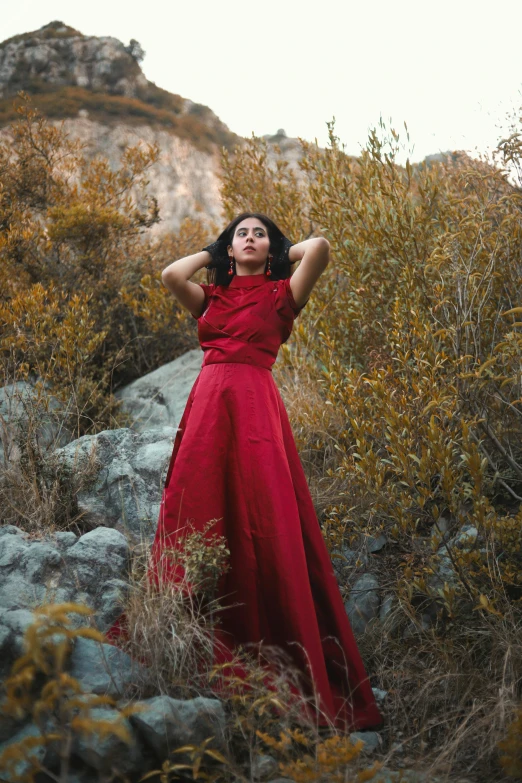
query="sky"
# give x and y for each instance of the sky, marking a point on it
(451, 71)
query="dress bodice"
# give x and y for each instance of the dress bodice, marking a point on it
(247, 320)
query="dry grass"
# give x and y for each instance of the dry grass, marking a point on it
(38, 493)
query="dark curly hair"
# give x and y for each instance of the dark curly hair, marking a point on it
(217, 272)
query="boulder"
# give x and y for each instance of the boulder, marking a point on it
(170, 723)
(91, 569)
(12, 771)
(24, 405)
(263, 766)
(158, 399)
(102, 668)
(126, 494)
(109, 750)
(372, 740)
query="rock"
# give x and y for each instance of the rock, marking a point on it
(170, 723)
(5, 639)
(439, 532)
(375, 544)
(110, 750)
(11, 770)
(343, 561)
(126, 494)
(89, 569)
(263, 766)
(379, 694)
(9, 724)
(466, 538)
(372, 740)
(20, 402)
(158, 399)
(11, 530)
(17, 621)
(363, 605)
(65, 539)
(39, 561)
(425, 622)
(111, 602)
(12, 549)
(386, 607)
(100, 555)
(102, 668)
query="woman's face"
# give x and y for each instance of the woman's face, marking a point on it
(250, 244)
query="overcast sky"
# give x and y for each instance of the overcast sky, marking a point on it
(451, 70)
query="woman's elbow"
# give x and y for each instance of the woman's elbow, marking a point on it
(168, 273)
(169, 279)
(323, 247)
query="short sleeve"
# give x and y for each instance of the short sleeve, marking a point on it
(208, 290)
(285, 302)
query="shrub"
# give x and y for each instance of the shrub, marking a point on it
(410, 350)
(81, 289)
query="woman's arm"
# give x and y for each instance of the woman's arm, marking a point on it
(175, 277)
(314, 255)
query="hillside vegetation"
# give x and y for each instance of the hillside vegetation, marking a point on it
(403, 381)
(67, 73)
(407, 405)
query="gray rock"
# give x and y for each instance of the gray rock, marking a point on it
(12, 530)
(64, 539)
(158, 399)
(386, 609)
(440, 532)
(169, 723)
(12, 549)
(375, 544)
(425, 621)
(372, 740)
(110, 750)
(39, 561)
(263, 766)
(20, 402)
(379, 694)
(111, 603)
(363, 605)
(466, 538)
(89, 570)
(10, 770)
(17, 621)
(102, 668)
(5, 637)
(99, 555)
(126, 494)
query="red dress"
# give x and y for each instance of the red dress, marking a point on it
(235, 460)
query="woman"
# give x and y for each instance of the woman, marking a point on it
(235, 461)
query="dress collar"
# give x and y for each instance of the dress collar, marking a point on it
(238, 281)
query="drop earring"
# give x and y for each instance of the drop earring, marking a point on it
(269, 271)
(231, 270)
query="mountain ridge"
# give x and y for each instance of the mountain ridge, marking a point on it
(96, 86)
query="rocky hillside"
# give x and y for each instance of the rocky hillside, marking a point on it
(98, 87)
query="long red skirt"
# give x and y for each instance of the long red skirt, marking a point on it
(235, 461)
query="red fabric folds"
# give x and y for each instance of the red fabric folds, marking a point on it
(235, 461)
